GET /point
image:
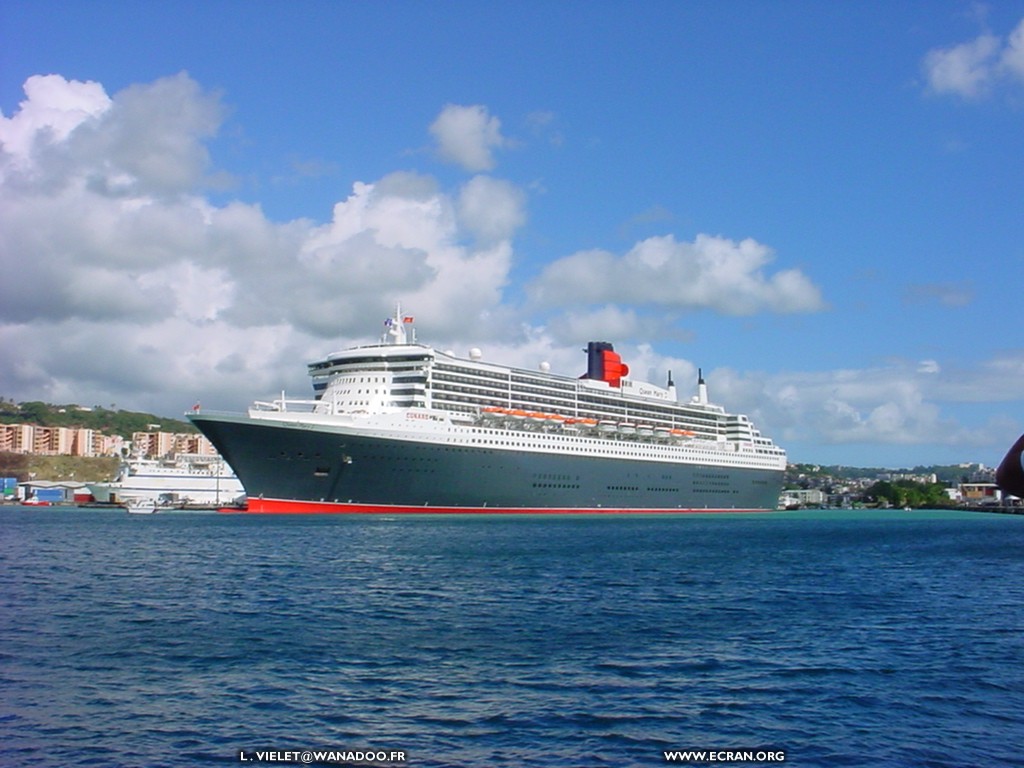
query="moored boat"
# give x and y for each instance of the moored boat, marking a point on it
(181, 479)
(139, 507)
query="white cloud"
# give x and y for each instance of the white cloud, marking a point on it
(972, 69)
(163, 367)
(139, 281)
(607, 322)
(1012, 58)
(468, 136)
(921, 403)
(709, 273)
(887, 406)
(490, 208)
(53, 108)
(964, 69)
(401, 239)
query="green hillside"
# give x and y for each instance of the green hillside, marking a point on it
(109, 421)
(77, 468)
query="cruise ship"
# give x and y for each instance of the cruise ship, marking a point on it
(399, 427)
(183, 479)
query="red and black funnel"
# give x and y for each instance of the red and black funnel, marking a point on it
(1010, 475)
(604, 363)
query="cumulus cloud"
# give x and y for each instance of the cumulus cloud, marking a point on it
(402, 237)
(468, 136)
(972, 69)
(709, 273)
(52, 109)
(611, 322)
(608, 322)
(902, 404)
(492, 209)
(131, 280)
(965, 69)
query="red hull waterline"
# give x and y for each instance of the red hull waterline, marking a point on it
(290, 507)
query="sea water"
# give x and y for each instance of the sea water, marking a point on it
(837, 638)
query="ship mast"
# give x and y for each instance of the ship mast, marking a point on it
(394, 328)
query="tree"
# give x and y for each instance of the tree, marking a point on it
(35, 412)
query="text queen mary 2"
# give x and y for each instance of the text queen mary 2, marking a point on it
(399, 427)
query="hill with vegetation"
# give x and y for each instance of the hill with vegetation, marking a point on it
(109, 421)
(954, 473)
(82, 469)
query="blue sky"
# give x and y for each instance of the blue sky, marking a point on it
(820, 204)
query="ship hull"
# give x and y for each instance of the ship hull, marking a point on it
(298, 467)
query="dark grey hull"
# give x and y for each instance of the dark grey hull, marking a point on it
(295, 468)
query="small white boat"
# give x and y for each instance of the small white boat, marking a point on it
(140, 507)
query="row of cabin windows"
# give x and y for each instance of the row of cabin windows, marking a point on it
(469, 374)
(479, 373)
(602, 449)
(459, 402)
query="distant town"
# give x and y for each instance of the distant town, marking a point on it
(973, 485)
(54, 451)
(34, 439)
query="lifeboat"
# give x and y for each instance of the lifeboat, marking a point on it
(607, 425)
(644, 430)
(681, 434)
(627, 428)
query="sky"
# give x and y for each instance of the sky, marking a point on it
(819, 204)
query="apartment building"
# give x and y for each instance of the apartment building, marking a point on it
(68, 441)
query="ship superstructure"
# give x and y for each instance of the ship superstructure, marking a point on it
(399, 426)
(180, 479)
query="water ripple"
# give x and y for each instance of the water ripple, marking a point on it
(182, 639)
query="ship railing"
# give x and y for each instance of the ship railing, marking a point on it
(286, 405)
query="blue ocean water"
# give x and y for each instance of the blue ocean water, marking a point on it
(843, 638)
